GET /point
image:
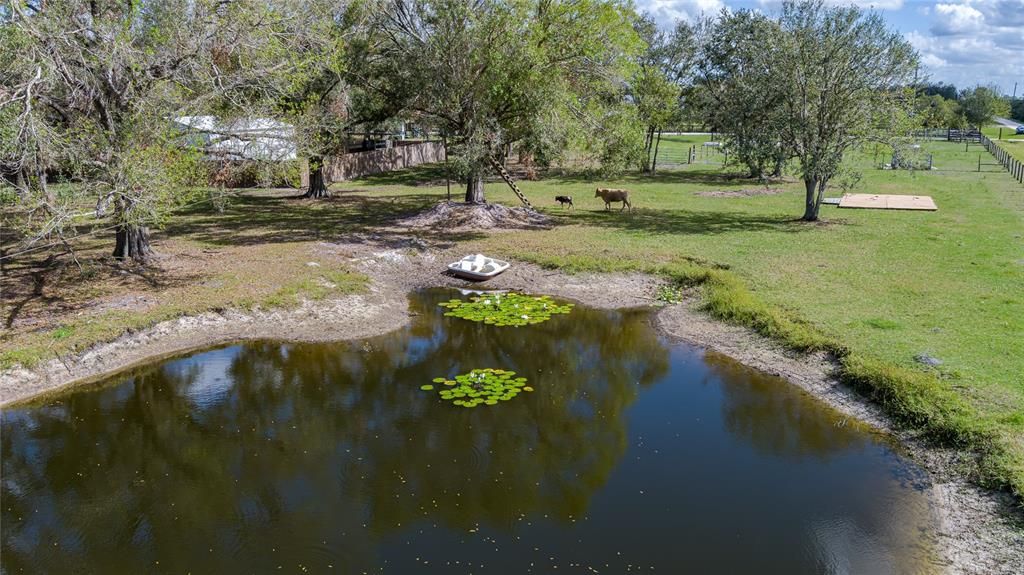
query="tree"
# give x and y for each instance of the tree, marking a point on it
(663, 70)
(487, 73)
(823, 79)
(947, 91)
(300, 75)
(982, 103)
(92, 93)
(846, 69)
(935, 111)
(1017, 109)
(743, 93)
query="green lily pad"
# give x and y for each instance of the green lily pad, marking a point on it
(510, 309)
(486, 386)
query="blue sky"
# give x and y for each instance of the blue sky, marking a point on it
(965, 42)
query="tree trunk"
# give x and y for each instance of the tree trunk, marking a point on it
(475, 187)
(648, 145)
(317, 184)
(779, 164)
(132, 242)
(814, 191)
(43, 187)
(131, 239)
(654, 160)
(21, 181)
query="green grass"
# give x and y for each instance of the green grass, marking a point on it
(876, 287)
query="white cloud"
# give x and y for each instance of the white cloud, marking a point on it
(667, 11)
(932, 61)
(953, 19)
(973, 42)
(865, 4)
(965, 42)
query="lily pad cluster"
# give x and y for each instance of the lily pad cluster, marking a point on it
(509, 309)
(480, 386)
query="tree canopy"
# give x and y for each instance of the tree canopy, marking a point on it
(981, 104)
(808, 85)
(490, 73)
(92, 94)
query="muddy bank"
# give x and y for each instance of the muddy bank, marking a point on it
(350, 317)
(976, 529)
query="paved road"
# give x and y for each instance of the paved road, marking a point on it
(1007, 123)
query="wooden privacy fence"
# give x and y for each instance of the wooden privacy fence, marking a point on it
(354, 165)
(1012, 165)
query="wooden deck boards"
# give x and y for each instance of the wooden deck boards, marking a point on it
(887, 202)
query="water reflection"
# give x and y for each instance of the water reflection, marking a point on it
(330, 457)
(779, 424)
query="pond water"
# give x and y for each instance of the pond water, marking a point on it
(633, 455)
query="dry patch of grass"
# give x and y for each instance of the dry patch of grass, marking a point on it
(52, 311)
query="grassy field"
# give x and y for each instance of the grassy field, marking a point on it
(879, 288)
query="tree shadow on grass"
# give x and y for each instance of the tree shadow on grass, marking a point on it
(698, 176)
(251, 219)
(687, 222)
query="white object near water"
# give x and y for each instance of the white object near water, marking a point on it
(478, 267)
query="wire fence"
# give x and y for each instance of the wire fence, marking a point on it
(1012, 165)
(704, 153)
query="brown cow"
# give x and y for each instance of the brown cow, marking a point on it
(610, 195)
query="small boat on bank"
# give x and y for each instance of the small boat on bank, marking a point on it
(477, 267)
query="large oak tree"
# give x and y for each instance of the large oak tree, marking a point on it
(487, 73)
(92, 90)
(810, 85)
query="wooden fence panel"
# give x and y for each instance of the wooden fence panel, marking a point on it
(349, 166)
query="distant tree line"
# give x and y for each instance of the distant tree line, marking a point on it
(943, 106)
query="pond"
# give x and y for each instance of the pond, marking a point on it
(632, 454)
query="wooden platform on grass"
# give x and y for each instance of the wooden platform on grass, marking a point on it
(887, 202)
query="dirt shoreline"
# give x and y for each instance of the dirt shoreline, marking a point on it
(976, 528)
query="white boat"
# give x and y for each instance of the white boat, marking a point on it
(477, 267)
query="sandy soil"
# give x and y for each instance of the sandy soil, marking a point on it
(977, 532)
(457, 216)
